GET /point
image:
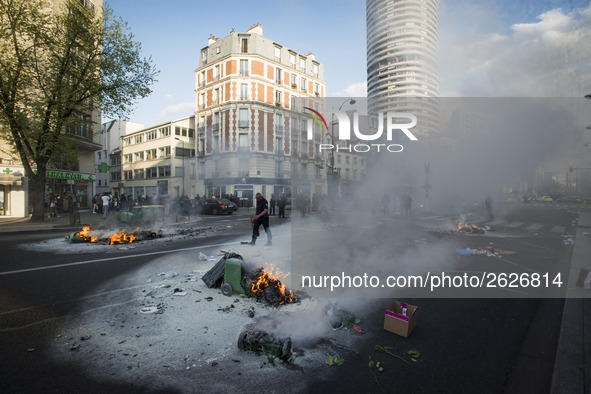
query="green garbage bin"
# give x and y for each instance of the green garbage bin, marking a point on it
(232, 277)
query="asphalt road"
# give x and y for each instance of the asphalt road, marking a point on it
(500, 344)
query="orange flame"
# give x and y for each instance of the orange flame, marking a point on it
(121, 238)
(270, 277)
(84, 234)
(466, 228)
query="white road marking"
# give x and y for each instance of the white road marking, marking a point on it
(535, 226)
(515, 224)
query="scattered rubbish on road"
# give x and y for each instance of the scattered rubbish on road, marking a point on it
(251, 312)
(387, 350)
(333, 361)
(398, 321)
(262, 342)
(75, 346)
(487, 251)
(31, 349)
(152, 309)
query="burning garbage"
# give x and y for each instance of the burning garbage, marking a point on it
(469, 229)
(122, 237)
(232, 274)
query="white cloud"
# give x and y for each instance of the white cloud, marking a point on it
(177, 111)
(547, 58)
(354, 90)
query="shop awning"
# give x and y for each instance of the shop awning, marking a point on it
(11, 180)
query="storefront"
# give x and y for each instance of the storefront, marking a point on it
(79, 184)
(13, 192)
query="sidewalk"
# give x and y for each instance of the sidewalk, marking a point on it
(20, 225)
(572, 369)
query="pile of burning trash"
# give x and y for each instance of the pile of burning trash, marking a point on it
(122, 237)
(232, 274)
(462, 228)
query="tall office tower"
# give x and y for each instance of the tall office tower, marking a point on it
(402, 65)
(251, 132)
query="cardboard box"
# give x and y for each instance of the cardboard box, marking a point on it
(398, 323)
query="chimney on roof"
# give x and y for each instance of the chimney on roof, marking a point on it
(311, 56)
(256, 29)
(211, 39)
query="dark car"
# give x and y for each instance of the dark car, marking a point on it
(216, 206)
(568, 199)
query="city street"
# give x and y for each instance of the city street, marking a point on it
(76, 317)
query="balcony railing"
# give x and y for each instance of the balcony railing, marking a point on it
(216, 127)
(244, 73)
(279, 129)
(243, 123)
(215, 101)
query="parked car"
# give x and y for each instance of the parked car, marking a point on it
(216, 206)
(568, 199)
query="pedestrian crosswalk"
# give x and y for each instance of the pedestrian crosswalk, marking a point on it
(436, 221)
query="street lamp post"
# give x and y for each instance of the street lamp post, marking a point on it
(183, 142)
(332, 175)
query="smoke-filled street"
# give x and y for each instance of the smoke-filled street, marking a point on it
(139, 318)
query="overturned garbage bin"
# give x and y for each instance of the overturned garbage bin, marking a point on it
(262, 342)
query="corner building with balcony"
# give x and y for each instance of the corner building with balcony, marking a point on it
(251, 132)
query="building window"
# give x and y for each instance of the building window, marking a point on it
(243, 67)
(278, 97)
(115, 160)
(138, 139)
(164, 171)
(317, 89)
(304, 85)
(278, 78)
(127, 158)
(99, 155)
(315, 69)
(277, 54)
(138, 174)
(151, 172)
(278, 123)
(294, 79)
(164, 151)
(164, 132)
(243, 91)
(292, 60)
(202, 101)
(204, 56)
(138, 156)
(151, 154)
(243, 140)
(151, 135)
(278, 145)
(127, 141)
(191, 133)
(216, 96)
(244, 45)
(128, 175)
(216, 73)
(202, 79)
(216, 121)
(202, 124)
(115, 176)
(302, 63)
(178, 171)
(243, 117)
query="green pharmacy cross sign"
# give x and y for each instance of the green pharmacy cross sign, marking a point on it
(7, 171)
(103, 167)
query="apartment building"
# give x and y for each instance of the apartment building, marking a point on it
(251, 130)
(108, 159)
(159, 161)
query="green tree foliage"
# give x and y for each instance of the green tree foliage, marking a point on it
(56, 67)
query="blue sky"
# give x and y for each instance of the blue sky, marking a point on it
(478, 44)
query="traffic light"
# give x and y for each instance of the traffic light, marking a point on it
(570, 168)
(426, 167)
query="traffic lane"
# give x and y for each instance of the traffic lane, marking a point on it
(52, 289)
(38, 250)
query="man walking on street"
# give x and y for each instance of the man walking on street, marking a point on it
(261, 217)
(106, 202)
